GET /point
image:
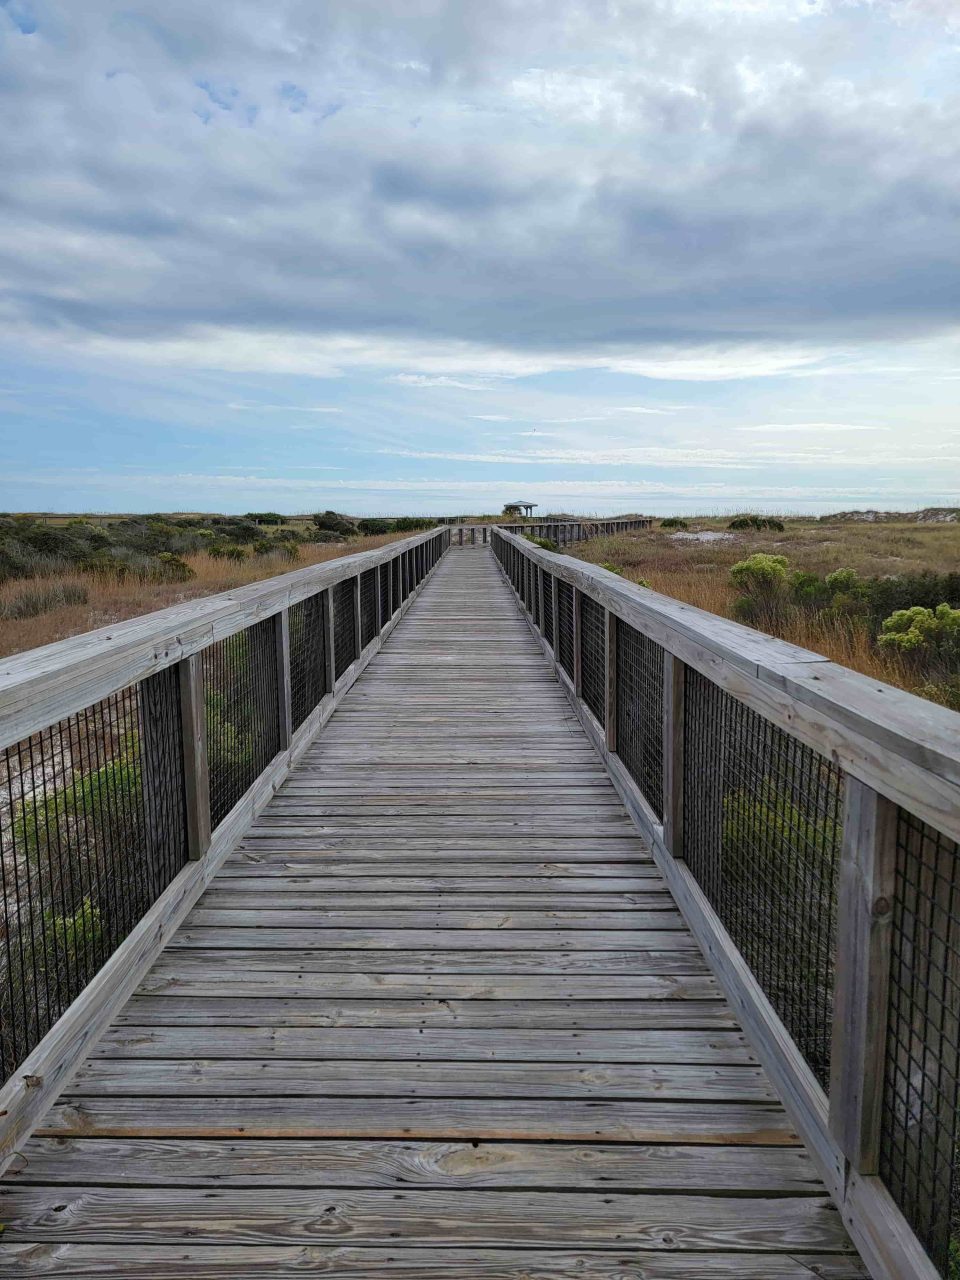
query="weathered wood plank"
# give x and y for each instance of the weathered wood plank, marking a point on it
(178, 1039)
(598, 922)
(605, 966)
(235, 1215)
(317, 1162)
(266, 1077)
(435, 939)
(520, 1014)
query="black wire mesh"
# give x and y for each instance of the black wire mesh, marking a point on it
(919, 1157)
(762, 831)
(640, 712)
(593, 656)
(565, 626)
(92, 830)
(344, 633)
(242, 712)
(396, 580)
(386, 597)
(368, 607)
(547, 623)
(308, 657)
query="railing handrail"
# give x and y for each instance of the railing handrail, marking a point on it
(824, 871)
(48, 683)
(902, 745)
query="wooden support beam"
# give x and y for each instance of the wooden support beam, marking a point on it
(281, 632)
(196, 775)
(865, 914)
(673, 684)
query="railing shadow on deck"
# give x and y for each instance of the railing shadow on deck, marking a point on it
(132, 759)
(807, 820)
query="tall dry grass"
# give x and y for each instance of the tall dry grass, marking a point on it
(699, 574)
(110, 600)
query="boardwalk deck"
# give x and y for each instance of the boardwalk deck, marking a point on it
(437, 1016)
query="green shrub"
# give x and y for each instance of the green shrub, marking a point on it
(333, 522)
(412, 524)
(373, 525)
(755, 522)
(760, 572)
(546, 544)
(923, 634)
(47, 817)
(171, 568)
(764, 585)
(264, 517)
(674, 522)
(884, 596)
(612, 568)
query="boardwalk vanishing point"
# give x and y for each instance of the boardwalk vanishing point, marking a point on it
(466, 913)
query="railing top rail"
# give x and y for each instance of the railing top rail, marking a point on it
(41, 686)
(905, 746)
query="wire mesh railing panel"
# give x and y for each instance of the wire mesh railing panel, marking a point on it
(762, 817)
(368, 607)
(308, 657)
(565, 626)
(396, 577)
(344, 634)
(640, 712)
(547, 625)
(919, 1156)
(92, 830)
(386, 597)
(593, 656)
(242, 713)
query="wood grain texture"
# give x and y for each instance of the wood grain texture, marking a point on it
(438, 1015)
(266, 1262)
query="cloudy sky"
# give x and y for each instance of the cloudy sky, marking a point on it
(429, 255)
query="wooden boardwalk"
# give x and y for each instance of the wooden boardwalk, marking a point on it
(437, 1017)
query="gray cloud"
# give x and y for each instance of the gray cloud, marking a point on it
(540, 177)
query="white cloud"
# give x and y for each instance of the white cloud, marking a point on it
(285, 408)
(811, 426)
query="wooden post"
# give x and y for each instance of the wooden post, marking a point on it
(329, 639)
(281, 632)
(673, 681)
(378, 580)
(577, 638)
(196, 777)
(554, 600)
(610, 692)
(864, 916)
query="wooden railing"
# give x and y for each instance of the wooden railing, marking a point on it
(563, 533)
(807, 820)
(131, 760)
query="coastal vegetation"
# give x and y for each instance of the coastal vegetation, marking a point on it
(879, 595)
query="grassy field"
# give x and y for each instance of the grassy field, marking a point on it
(110, 599)
(685, 565)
